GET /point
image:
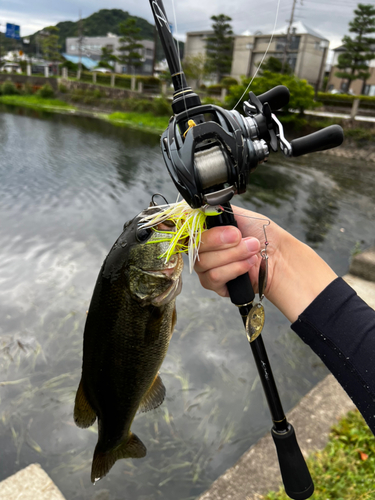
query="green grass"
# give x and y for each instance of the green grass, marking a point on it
(34, 102)
(345, 469)
(146, 121)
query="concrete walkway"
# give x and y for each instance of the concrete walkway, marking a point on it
(31, 483)
(257, 471)
(341, 116)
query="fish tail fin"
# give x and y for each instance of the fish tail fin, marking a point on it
(104, 460)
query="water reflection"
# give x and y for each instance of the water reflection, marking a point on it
(320, 213)
(66, 189)
(271, 185)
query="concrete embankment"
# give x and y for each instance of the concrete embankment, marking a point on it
(257, 471)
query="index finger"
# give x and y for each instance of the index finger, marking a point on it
(220, 238)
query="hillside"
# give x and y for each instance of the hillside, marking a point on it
(99, 24)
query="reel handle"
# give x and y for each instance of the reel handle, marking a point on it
(326, 138)
(296, 476)
(240, 289)
(277, 98)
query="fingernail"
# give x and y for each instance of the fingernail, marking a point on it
(229, 235)
(253, 260)
(252, 244)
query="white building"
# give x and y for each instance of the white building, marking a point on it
(91, 46)
(306, 53)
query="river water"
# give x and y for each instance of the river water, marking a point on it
(67, 186)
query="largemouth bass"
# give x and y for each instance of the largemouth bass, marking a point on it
(128, 328)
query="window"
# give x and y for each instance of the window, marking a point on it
(110, 47)
(149, 52)
(280, 43)
(294, 42)
(72, 47)
(369, 90)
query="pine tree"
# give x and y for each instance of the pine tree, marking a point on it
(107, 58)
(130, 46)
(219, 46)
(50, 44)
(353, 63)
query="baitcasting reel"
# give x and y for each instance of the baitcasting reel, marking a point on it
(210, 153)
(206, 147)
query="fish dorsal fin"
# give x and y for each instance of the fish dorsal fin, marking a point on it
(103, 461)
(84, 415)
(154, 396)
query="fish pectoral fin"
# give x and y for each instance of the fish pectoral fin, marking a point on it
(103, 461)
(154, 396)
(84, 415)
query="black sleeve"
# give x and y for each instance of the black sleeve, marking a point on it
(340, 328)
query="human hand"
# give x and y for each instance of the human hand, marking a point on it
(296, 274)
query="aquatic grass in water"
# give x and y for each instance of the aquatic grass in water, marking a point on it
(147, 121)
(35, 102)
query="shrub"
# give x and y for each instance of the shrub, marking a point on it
(46, 91)
(28, 89)
(228, 81)
(215, 89)
(148, 80)
(139, 105)
(63, 88)
(301, 93)
(161, 107)
(8, 88)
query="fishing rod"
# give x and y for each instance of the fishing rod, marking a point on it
(209, 153)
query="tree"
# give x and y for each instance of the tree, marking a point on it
(130, 46)
(353, 63)
(50, 44)
(219, 46)
(195, 68)
(107, 59)
(301, 93)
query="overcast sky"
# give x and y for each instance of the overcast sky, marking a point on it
(328, 17)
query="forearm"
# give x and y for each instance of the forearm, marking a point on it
(299, 275)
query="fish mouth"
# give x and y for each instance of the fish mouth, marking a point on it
(169, 294)
(171, 272)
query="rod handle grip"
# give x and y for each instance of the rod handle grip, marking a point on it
(295, 474)
(240, 289)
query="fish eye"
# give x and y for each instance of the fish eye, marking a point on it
(143, 234)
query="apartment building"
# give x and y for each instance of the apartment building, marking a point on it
(306, 53)
(91, 46)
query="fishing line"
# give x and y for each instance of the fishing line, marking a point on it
(261, 62)
(266, 242)
(178, 52)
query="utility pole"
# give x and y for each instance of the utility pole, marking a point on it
(1, 39)
(287, 43)
(324, 46)
(80, 39)
(154, 55)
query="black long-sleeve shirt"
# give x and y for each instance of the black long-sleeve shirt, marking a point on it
(340, 328)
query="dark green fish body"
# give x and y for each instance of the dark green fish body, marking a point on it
(127, 333)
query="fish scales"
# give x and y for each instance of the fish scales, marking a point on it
(128, 328)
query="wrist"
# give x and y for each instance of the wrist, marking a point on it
(299, 276)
